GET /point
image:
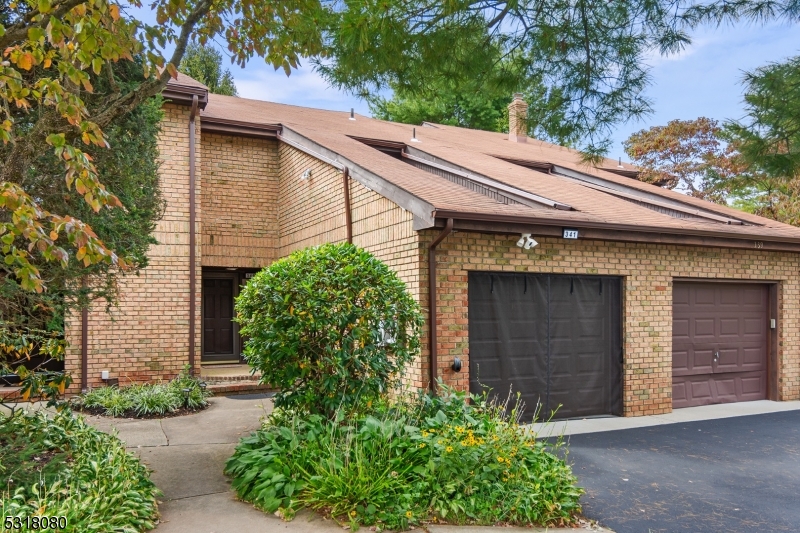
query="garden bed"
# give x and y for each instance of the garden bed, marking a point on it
(450, 459)
(182, 396)
(81, 478)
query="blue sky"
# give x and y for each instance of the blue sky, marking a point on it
(703, 80)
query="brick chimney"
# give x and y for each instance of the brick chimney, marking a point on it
(517, 119)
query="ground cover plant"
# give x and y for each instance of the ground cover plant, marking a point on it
(62, 467)
(454, 458)
(182, 395)
(333, 328)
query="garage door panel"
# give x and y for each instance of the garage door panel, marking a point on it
(551, 338)
(701, 389)
(731, 321)
(730, 327)
(703, 296)
(692, 360)
(704, 328)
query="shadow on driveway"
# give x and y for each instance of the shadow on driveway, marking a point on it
(737, 474)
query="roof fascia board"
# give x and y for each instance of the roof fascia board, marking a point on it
(642, 196)
(766, 242)
(514, 193)
(182, 95)
(613, 235)
(415, 205)
(237, 128)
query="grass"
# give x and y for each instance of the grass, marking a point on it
(455, 459)
(62, 467)
(146, 400)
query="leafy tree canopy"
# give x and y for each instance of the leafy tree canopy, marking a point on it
(589, 53)
(204, 64)
(769, 137)
(698, 158)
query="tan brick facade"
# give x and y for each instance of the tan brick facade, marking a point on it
(239, 192)
(253, 206)
(146, 336)
(647, 271)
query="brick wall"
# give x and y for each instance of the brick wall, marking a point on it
(239, 201)
(312, 213)
(145, 337)
(647, 271)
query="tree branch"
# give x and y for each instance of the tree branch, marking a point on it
(19, 31)
(154, 86)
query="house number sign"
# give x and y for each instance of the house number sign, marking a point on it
(570, 233)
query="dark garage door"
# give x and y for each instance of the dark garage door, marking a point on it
(719, 343)
(553, 338)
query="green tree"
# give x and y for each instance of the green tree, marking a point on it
(697, 157)
(32, 323)
(769, 137)
(330, 326)
(204, 63)
(590, 54)
(483, 105)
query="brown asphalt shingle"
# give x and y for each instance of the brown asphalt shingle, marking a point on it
(476, 150)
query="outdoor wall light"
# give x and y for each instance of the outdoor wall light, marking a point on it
(526, 241)
(456, 366)
(306, 175)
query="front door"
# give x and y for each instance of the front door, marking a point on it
(219, 332)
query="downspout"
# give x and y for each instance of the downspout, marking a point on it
(192, 238)
(348, 216)
(434, 370)
(84, 345)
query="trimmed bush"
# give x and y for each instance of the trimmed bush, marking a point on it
(145, 400)
(331, 327)
(61, 466)
(453, 458)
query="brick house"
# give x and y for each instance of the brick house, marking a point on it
(574, 285)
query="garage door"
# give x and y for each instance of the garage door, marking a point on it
(719, 343)
(554, 339)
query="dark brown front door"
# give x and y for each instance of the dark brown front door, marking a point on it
(218, 325)
(719, 343)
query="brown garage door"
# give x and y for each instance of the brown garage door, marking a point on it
(719, 343)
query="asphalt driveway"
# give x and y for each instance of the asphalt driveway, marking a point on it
(738, 474)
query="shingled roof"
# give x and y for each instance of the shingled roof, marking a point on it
(459, 173)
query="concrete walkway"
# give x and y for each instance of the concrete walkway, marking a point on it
(187, 455)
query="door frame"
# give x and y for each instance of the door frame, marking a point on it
(773, 306)
(239, 276)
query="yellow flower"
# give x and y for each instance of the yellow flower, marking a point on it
(459, 429)
(500, 459)
(424, 433)
(448, 449)
(409, 514)
(421, 444)
(440, 441)
(352, 513)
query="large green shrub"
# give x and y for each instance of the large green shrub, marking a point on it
(330, 326)
(453, 458)
(62, 467)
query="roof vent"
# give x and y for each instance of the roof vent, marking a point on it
(352, 114)
(518, 119)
